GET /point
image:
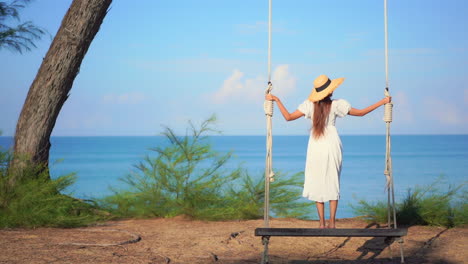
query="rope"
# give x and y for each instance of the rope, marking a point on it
(388, 118)
(386, 44)
(268, 107)
(269, 39)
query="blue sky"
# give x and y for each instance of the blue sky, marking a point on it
(159, 63)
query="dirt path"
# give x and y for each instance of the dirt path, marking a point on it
(178, 240)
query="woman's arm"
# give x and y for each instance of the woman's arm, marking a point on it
(287, 116)
(365, 111)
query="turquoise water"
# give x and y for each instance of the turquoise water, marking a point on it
(417, 160)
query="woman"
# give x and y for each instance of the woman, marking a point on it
(324, 152)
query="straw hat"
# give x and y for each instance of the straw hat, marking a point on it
(323, 86)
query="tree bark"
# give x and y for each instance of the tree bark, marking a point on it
(53, 82)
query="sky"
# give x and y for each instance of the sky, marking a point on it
(162, 63)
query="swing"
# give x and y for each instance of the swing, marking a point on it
(267, 231)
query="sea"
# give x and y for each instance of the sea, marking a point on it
(418, 160)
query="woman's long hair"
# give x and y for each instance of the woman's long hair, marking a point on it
(321, 112)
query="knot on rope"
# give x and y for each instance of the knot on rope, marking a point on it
(388, 116)
(388, 108)
(268, 105)
(387, 178)
(272, 175)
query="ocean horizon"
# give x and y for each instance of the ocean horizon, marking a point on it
(418, 160)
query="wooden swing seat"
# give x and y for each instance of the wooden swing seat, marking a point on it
(331, 232)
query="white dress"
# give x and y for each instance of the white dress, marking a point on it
(324, 155)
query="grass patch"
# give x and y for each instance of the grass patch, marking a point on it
(187, 177)
(35, 200)
(426, 205)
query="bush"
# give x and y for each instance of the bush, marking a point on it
(35, 200)
(285, 193)
(425, 205)
(188, 178)
(371, 212)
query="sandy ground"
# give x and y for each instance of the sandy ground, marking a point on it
(179, 240)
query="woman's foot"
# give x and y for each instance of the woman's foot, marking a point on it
(322, 223)
(331, 225)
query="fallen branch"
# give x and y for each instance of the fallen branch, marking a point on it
(135, 238)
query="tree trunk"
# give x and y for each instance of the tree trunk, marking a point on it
(55, 77)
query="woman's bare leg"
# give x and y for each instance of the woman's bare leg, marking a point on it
(321, 213)
(333, 206)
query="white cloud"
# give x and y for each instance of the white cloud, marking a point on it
(444, 112)
(240, 89)
(284, 83)
(124, 98)
(235, 88)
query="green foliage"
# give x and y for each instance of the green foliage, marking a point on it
(20, 37)
(371, 212)
(425, 205)
(460, 210)
(187, 177)
(34, 200)
(247, 200)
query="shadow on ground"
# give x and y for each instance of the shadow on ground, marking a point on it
(373, 251)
